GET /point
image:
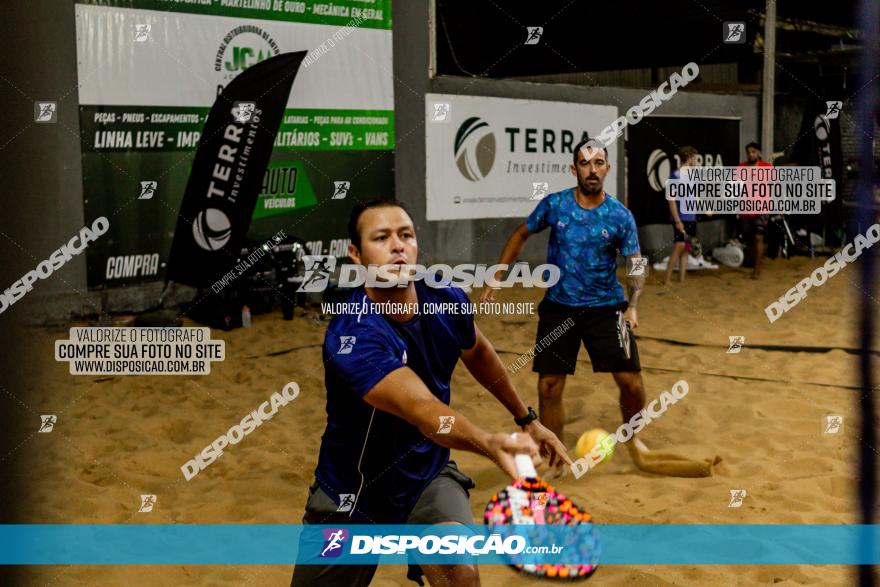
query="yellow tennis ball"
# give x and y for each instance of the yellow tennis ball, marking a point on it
(593, 438)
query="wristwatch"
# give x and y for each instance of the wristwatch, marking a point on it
(528, 418)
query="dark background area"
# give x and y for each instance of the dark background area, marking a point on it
(473, 36)
(638, 44)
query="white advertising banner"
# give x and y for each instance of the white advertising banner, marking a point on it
(497, 157)
(186, 57)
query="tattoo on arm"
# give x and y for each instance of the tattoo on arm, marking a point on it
(634, 283)
(634, 290)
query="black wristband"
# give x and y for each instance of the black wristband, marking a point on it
(528, 418)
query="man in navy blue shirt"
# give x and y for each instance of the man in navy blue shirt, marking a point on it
(384, 456)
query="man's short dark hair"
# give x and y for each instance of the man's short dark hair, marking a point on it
(362, 207)
(753, 145)
(686, 153)
(595, 144)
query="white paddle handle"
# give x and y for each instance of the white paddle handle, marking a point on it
(524, 466)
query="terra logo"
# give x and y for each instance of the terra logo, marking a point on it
(243, 47)
(658, 169)
(474, 148)
(212, 229)
(660, 166)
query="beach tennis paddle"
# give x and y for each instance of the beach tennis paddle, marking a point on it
(530, 501)
(623, 333)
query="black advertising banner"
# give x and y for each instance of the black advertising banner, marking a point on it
(227, 173)
(652, 154)
(818, 142)
(818, 145)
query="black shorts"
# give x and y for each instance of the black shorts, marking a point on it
(446, 499)
(595, 327)
(690, 231)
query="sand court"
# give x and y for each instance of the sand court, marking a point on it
(761, 410)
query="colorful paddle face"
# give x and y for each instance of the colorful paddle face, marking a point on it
(531, 501)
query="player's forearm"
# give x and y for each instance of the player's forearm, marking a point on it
(458, 433)
(634, 286)
(634, 292)
(673, 209)
(512, 249)
(488, 369)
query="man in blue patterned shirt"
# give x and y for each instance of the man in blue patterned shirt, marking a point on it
(588, 227)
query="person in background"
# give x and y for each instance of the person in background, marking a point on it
(753, 225)
(684, 225)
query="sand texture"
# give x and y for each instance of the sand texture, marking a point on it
(760, 410)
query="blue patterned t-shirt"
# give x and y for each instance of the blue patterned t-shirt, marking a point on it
(584, 245)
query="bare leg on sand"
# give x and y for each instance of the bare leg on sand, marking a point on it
(668, 464)
(758, 241)
(632, 401)
(677, 251)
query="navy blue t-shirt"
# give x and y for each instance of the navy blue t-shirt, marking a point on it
(382, 460)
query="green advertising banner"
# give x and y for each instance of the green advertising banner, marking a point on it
(372, 13)
(286, 188)
(123, 128)
(149, 71)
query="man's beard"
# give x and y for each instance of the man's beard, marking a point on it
(587, 189)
